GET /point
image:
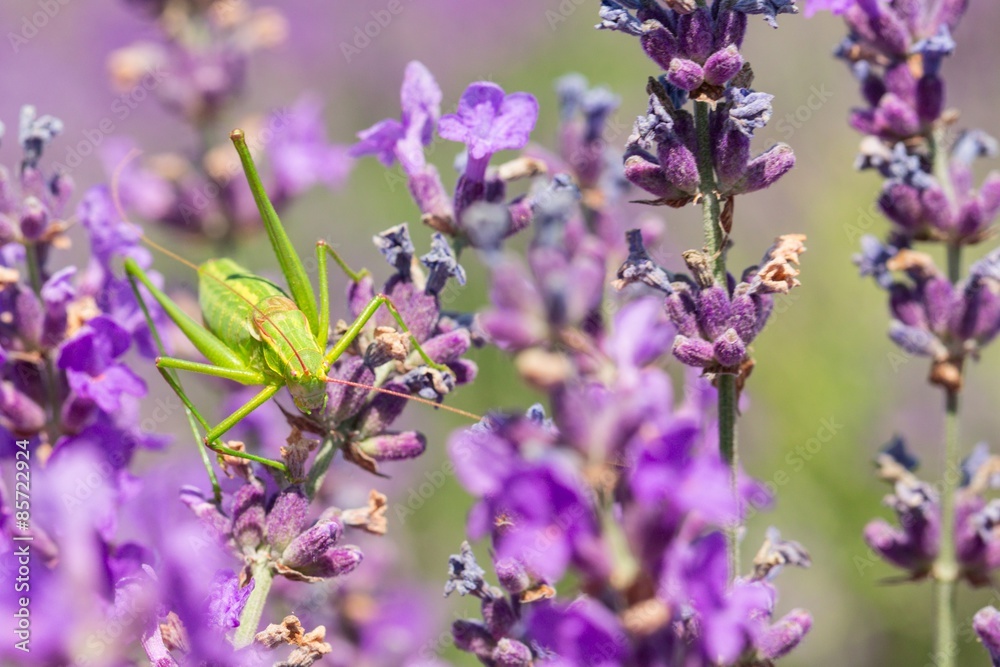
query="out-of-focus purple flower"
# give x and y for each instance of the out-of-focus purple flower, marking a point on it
(227, 600)
(986, 623)
(391, 139)
(299, 153)
(581, 632)
(488, 121)
(833, 6)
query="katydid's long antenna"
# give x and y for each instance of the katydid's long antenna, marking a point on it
(409, 397)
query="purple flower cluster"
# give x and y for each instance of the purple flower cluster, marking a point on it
(619, 487)
(273, 530)
(931, 316)
(896, 50)
(913, 545)
(716, 323)
(199, 66)
(698, 49)
(202, 191)
(381, 357)
(487, 121)
(69, 411)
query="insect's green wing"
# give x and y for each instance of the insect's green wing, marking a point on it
(258, 320)
(228, 294)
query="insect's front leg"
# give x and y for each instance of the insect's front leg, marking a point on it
(354, 330)
(322, 250)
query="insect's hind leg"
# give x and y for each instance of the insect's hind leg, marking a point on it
(171, 378)
(167, 367)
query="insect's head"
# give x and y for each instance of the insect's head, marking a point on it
(308, 393)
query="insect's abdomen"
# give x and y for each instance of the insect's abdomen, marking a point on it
(290, 350)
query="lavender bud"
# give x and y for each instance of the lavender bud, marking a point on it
(731, 154)
(333, 563)
(432, 199)
(729, 349)
(29, 315)
(900, 203)
(930, 98)
(34, 218)
(248, 516)
(765, 169)
(310, 546)
(743, 317)
(694, 34)
(394, 446)
(897, 117)
(785, 635)
(685, 74)
(714, 310)
(895, 548)
(916, 341)
(649, 176)
(723, 65)
(986, 623)
(286, 517)
(683, 312)
(473, 637)
(511, 653)
(512, 575)
(8, 230)
(498, 615)
(906, 307)
(21, 414)
(693, 351)
(659, 44)
(449, 346)
(679, 163)
(730, 28)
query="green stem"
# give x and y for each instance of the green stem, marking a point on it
(946, 566)
(714, 246)
(254, 609)
(324, 457)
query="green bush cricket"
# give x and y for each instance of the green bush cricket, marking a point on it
(256, 334)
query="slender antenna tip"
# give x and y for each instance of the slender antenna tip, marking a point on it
(236, 135)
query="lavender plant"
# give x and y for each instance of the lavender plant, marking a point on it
(613, 513)
(621, 487)
(896, 51)
(681, 157)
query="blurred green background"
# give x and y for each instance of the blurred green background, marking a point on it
(824, 359)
